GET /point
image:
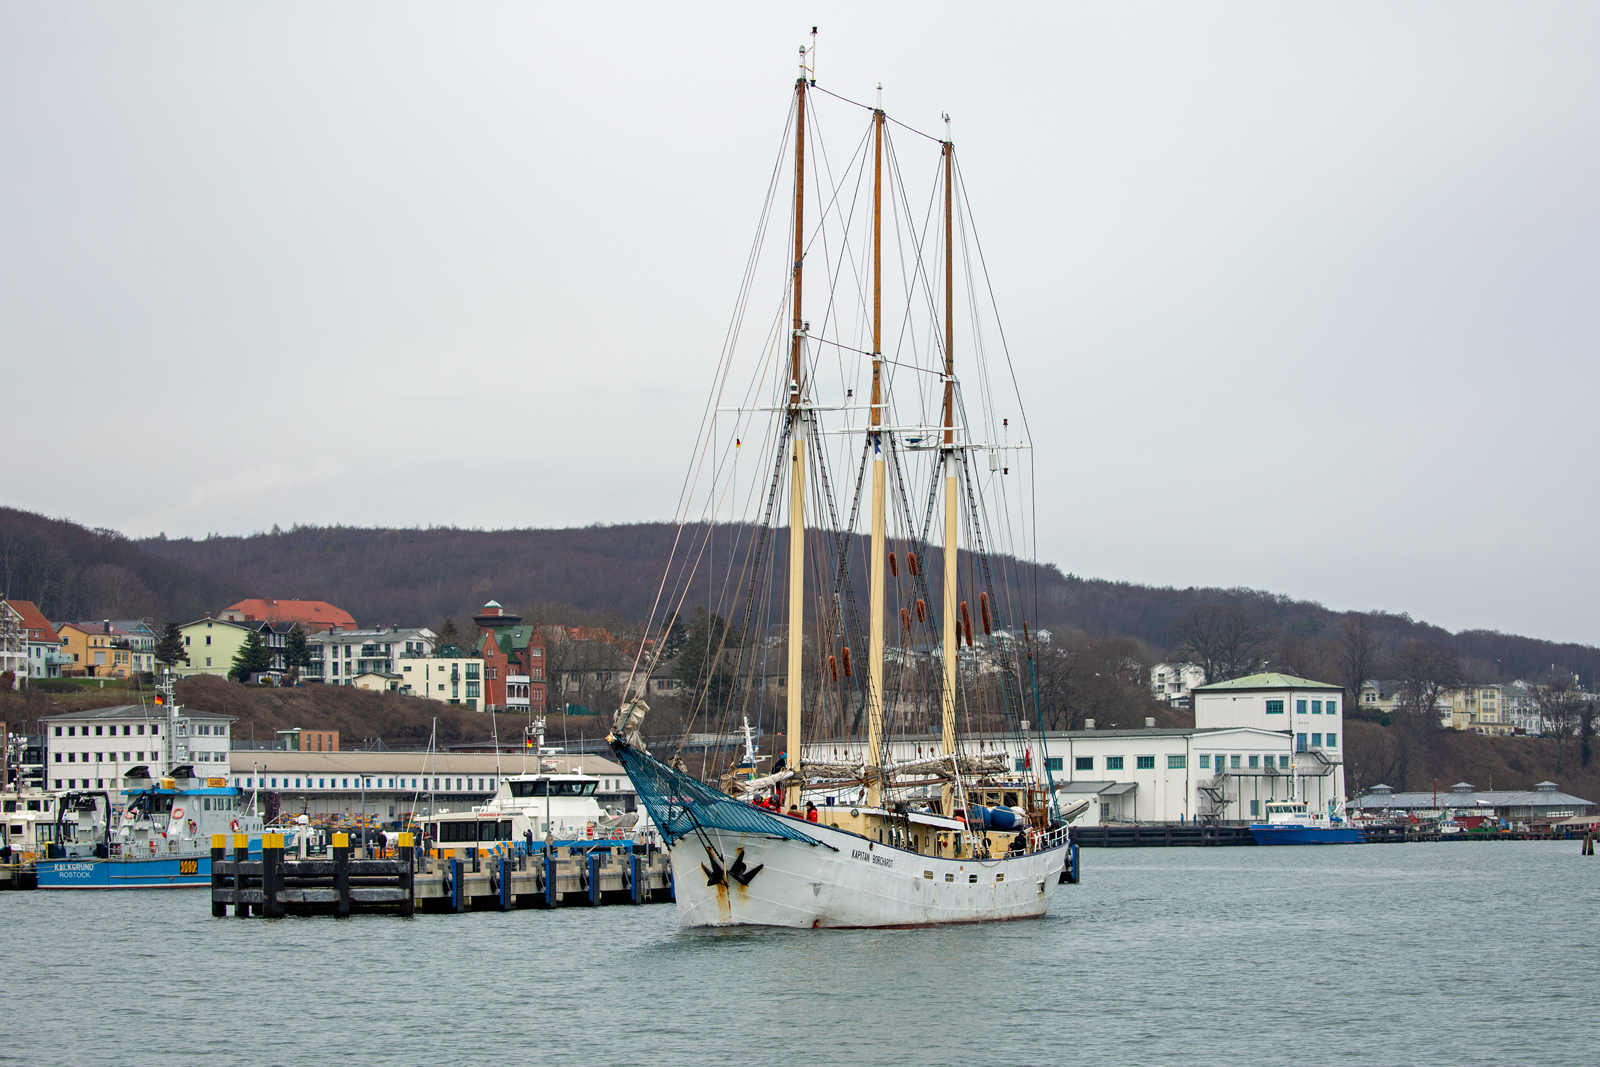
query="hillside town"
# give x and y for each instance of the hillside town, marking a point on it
(1236, 743)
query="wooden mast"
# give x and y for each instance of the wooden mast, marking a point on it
(949, 647)
(876, 564)
(797, 471)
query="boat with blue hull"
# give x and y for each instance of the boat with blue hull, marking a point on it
(1289, 822)
(156, 835)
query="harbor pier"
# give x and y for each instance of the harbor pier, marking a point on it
(606, 872)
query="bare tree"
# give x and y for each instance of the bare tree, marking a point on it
(1224, 642)
(1358, 656)
(1586, 731)
(1101, 679)
(1561, 708)
(1315, 658)
(1372, 758)
(1426, 670)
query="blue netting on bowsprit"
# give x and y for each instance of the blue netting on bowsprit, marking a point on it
(678, 803)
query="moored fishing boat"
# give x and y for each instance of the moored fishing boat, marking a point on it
(914, 842)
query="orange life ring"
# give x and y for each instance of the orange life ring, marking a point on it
(177, 814)
(236, 826)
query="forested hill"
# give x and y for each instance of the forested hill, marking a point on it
(73, 572)
(419, 576)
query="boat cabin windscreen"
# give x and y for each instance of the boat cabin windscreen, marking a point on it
(556, 789)
(462, 831)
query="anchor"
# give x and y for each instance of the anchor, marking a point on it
(741, 872)
(715, 875)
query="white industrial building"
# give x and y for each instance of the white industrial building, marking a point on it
(389, 785)
(95, 749)
(1253, 737)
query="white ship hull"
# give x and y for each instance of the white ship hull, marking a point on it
(861, 884)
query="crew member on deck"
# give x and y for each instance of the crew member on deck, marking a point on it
(811, 812)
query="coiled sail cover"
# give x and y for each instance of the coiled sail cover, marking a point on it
(679, 804)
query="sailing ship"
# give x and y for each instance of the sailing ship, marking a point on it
(895, 803)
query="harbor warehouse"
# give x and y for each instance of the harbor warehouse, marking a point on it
(1253, 739)
(390, 785)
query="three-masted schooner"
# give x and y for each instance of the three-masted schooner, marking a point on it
(869, 821)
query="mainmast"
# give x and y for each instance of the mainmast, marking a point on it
(948, 690)
(876, 564)
(797, 472)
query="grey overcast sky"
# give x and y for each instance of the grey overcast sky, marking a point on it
(1305, 293)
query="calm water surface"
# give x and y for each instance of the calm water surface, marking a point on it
(1402, 954)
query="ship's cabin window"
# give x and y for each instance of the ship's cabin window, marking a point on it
(557, 789)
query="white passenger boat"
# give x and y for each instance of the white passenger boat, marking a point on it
(527, 811)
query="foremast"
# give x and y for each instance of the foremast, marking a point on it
(797, 472)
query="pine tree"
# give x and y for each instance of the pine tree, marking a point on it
(170, 650)
(448, 635)
(253, 656)
(295, 653)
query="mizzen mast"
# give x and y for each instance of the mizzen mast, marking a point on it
(797, 473)
(947, 695)
(875, 636)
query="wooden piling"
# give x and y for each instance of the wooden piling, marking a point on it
(408, 874)
(219, 874)
(271, 875)
(241, 856)
(341, 874)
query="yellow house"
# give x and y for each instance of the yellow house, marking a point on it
(211, 645)
(1479, 708)
(98, 650)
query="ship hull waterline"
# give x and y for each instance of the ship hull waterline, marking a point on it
(159, 872)
(1307, 835)
(854, 883)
